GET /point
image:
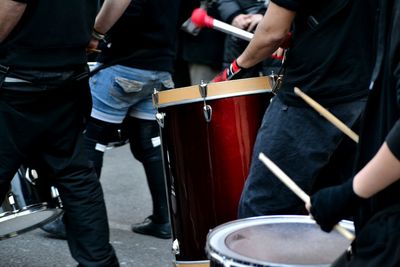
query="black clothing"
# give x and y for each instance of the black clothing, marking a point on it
(229, 9)
(377, 244)
(144, 37)
(342, 200)
(234, 46)
(46, 39)
(43, 115)
(383, 110)
(324, 60)
(43, 130)
(140, 134)
(206, 47)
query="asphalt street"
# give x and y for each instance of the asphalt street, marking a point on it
(128, 201)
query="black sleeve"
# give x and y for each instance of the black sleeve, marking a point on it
(228, 10)
(293, 5)
(393, 140)
(22, 1)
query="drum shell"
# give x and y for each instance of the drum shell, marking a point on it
(206, 164)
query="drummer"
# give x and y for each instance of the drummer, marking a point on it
(330, 59)
(373, 195)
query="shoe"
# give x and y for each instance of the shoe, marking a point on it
(148, 227)
(56, 228)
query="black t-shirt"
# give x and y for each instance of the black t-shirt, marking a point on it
(145, 36)
(50, 35)
(331, 54)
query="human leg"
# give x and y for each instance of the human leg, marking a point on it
(63, 160)
(144, 140)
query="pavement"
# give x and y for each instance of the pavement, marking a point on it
(128, 201)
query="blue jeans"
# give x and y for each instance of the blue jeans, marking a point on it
(119, 90)
(301, 143)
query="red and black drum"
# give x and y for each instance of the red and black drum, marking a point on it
(207, 132)
(275, 241)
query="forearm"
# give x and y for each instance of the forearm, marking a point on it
(270, 33)
(10, 13)
(379, 173)
(109, 13)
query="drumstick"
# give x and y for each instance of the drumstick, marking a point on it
(201, 19)
(329, 116)
(297, 190)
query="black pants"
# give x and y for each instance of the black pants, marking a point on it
(44, 129)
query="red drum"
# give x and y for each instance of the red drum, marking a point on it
(207, 132)
(275, 241)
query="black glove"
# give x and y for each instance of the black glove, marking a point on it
(331, 205)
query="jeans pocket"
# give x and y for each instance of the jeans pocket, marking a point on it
(167, 84)
(129, 86)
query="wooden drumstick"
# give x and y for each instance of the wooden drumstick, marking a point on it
(325, 113)
(297, 190)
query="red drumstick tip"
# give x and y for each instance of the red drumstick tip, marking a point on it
(201, 19)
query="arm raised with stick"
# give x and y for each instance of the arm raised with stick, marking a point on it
(297, 190)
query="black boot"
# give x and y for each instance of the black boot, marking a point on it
(148, 227)
(56, 228)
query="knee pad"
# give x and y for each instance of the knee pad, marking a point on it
(104, 133)
(144, 139)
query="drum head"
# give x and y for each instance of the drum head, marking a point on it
(26, 219)
(276, 241)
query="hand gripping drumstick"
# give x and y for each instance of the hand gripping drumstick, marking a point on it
(297, 190)
(201, 20)
(325, 113)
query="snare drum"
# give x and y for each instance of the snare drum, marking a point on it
(275, 241)
(30, 203)
(207, 133)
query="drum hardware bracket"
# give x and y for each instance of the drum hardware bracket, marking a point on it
(160, 119)
(155, 97)
(175, 247)
(11, 201)
(56, 195)
(207, 109)
(276, 82)
(159, 115)
(31, 175)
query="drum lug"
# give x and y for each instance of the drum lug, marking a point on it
(31, 175)
(155, 98)
(56, 195)
(203, 88)
(11, 201)
(160, 118)
(175, 247)
(207, 110)
(275, 81)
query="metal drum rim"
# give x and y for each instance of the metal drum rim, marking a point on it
(30, 209)
(255, 221)
(191, 94)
